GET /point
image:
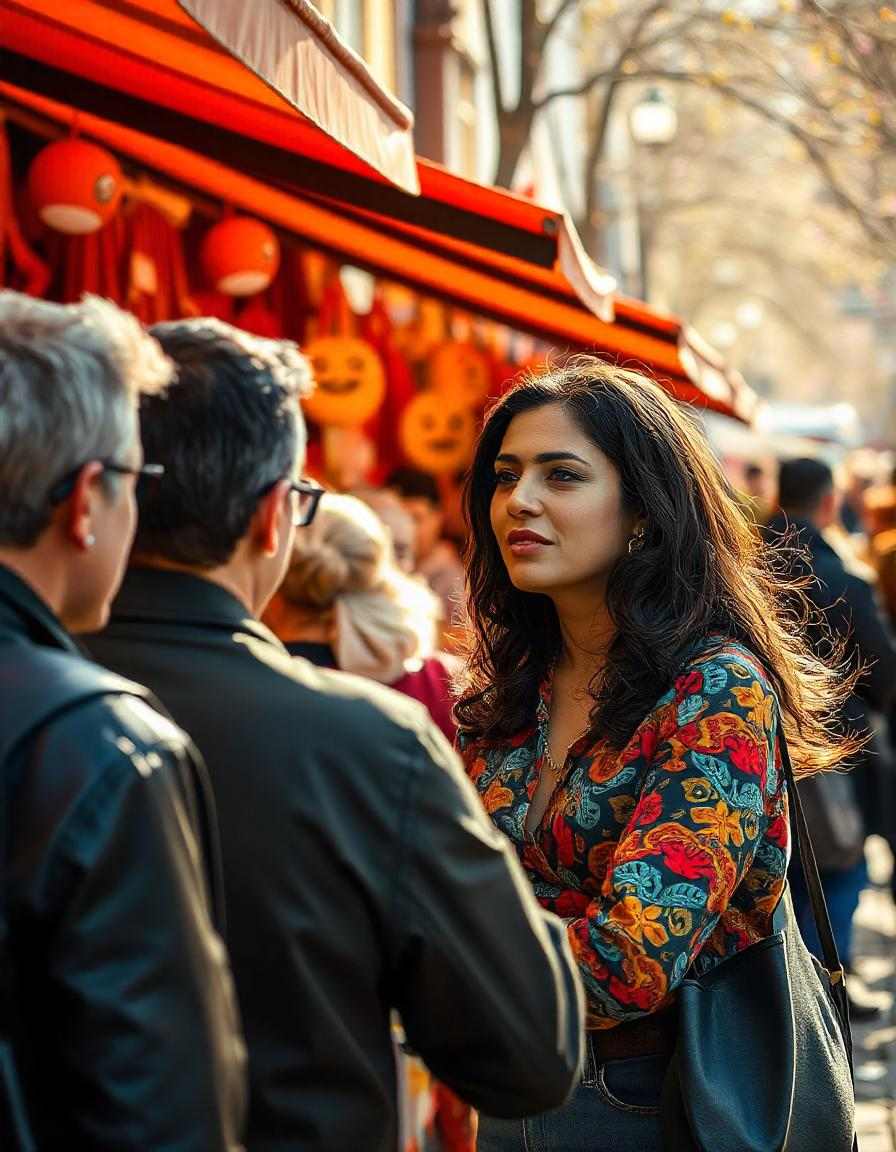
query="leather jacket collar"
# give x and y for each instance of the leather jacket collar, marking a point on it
(165, 596)
(25, 616)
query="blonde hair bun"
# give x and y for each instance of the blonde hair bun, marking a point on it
(343, 561)
(341, 552)
(318, 577)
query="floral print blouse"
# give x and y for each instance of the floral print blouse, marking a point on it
(669, 853)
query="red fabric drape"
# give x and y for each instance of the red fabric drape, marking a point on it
(23, 270)
(156, 275)
(88, 263)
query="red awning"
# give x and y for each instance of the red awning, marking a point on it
(245, 67)
(486, 250)
(724, 388)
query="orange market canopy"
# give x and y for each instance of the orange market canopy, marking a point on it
(485, 250)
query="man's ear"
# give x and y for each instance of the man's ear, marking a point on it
(267, 523)
(78, 510)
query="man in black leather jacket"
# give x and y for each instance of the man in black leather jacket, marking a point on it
(360, 871)
(118, 1026)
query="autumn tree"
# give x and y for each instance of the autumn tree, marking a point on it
(822, 75)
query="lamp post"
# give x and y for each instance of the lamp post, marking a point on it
(653, 123)
(653, 120)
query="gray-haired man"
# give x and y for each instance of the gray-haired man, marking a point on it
(116, 1003)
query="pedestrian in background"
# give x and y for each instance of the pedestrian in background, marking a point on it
(114, 985)
(435, 556)
(360, 873)
(629, 664)
(389, 509)
(840, 808)
(880, 512)
(758, 493)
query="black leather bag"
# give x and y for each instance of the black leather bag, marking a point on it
(763, 1056)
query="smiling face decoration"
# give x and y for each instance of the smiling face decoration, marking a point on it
(351, 381)
(460, 369)
(437, 432)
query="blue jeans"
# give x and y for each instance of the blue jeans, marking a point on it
(614, 1109)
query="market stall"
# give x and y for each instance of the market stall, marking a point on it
(231, 203)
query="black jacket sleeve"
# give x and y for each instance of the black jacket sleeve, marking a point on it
(135, 1006)
(487, 988)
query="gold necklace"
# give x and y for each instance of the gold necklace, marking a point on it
(552, 765)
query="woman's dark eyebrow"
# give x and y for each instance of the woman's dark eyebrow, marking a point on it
(541, 458)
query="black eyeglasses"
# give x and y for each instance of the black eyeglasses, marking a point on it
(308, 493)
(147, 476)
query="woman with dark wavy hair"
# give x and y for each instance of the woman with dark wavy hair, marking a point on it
(632, 654)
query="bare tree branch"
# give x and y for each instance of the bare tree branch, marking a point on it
(839, 111)
(559, 12)
(493, 60)
(633, 43)
(873, 223)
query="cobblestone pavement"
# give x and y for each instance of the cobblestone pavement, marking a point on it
(874, 962)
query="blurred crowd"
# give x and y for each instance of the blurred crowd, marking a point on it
(382, 941)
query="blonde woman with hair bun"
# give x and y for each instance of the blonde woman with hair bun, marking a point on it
(345, 603)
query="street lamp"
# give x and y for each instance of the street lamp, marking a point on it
(653, 123)
(653, 119)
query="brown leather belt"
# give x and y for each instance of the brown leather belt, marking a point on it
(646, 1036)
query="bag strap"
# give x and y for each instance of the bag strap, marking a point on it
(819, 906)
(810, 870)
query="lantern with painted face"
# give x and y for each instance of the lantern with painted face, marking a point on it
(240, 256)
(460, 369)
(351, 381)
(437, 432)
(75, 186)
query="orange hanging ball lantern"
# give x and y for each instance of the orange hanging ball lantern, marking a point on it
(75, 186)
(240, 256)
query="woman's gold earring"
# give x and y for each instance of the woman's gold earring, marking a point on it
(636, 542)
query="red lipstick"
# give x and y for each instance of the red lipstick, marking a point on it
(523, 542)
